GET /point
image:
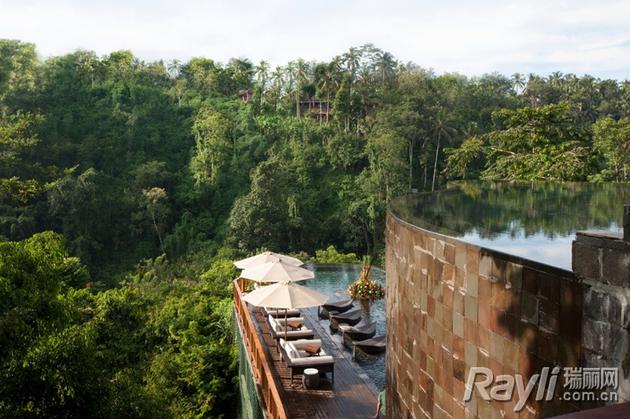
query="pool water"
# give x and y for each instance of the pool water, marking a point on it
(535, 221)
(333, 280)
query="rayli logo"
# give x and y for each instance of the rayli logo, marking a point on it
(580, 384)
(502, 387)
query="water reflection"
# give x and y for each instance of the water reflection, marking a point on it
(536, 221)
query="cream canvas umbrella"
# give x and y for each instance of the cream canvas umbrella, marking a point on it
(276, 271)
(265, 257)
(286, 295)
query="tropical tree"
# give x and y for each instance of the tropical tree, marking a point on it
(343, 102)
(155, 201)
(385, 66)
(518, 82)
(267, 201)
(262, 74)
(327, 82)
(213, 146)
(18, 63)
(278, 85)
(542, 143)
(352, 60)
(466, 161)
(443, 131)
(612, 141)
(17, 137)
(300, 76)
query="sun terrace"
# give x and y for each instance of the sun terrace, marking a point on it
(273, 392)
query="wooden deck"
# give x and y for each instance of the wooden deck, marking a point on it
(353, 395)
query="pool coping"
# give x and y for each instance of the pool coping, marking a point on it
(508, 256)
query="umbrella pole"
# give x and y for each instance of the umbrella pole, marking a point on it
(286, 326)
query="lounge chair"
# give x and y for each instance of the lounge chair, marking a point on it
(297, 359)
(372, 346)
(350, 317)
(277, 327)
(361, 331)
(279, 312)
(338, 306)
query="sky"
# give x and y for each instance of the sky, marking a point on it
(468, 37)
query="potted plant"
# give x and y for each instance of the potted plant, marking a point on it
(365, 288)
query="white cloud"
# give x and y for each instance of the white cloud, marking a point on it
(469, 37)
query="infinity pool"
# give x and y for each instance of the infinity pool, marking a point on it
(535, 221)
(333, 280)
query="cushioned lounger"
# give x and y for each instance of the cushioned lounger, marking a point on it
(297, 359)
(277, 329)
(279, 312)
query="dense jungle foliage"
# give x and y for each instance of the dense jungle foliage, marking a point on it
(127, 187)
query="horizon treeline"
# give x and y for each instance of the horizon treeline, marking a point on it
(126, 187)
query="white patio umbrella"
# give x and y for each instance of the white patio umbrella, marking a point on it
(265, 257)
(276, 271)
(286, 295)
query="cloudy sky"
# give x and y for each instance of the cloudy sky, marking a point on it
(470, 37)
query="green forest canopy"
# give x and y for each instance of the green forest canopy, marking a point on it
(154, 175)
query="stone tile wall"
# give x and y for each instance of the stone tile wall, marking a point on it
(452, 306)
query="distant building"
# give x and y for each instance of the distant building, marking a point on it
(316, 108)
(245, 95)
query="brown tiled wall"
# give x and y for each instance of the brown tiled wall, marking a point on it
(452, 305)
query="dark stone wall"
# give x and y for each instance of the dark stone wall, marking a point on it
(602, 261)
(452, 306)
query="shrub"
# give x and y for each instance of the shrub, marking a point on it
(331, 255)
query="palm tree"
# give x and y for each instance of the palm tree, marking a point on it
(555, 79)
(572, 83)
(518, 82)
(262, 73)
(352, 59)
(442, 130)
(278, 81)
(301, 70)
(470, 130)
(289, 70)
(532, 81)
(327, 81)
(385, 65)
(174, 68)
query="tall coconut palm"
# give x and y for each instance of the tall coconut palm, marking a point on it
(555, 79)
(385, 66)
(289, 71)
(262, 74)
(518, 82)
(352, 60)
(571, 83)
(301, 73)
(470, 130)
(327, 82)
(277, 78)
(174, 68)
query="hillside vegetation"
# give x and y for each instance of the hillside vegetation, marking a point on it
(127, 187)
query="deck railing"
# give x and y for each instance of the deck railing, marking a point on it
(267, 386)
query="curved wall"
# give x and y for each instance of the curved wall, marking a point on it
(452, 305)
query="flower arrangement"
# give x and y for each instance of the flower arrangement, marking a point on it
(365, 288)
